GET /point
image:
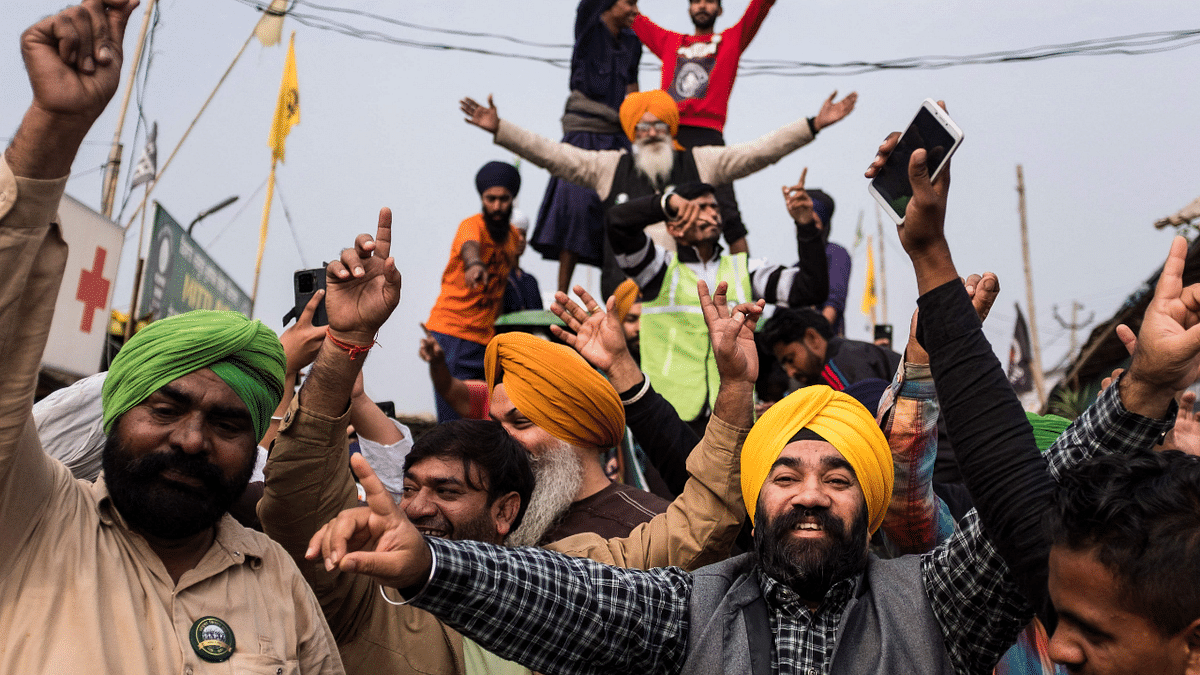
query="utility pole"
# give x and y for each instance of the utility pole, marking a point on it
(1038, 379)
(108, 190)
(1075, 324)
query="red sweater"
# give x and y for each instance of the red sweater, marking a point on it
(698, 70)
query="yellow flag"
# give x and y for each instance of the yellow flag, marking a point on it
(287, 111)
(869, 299)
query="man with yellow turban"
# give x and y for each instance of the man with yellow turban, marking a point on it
(566, 415)
(143, 571)
(650, 120)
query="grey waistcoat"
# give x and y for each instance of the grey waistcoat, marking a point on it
(887, 627)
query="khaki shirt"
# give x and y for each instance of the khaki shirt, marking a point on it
(79, 591)
(309, 482)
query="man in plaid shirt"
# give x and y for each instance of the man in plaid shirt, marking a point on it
(952, 610)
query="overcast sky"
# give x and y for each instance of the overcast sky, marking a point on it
(1108, 143)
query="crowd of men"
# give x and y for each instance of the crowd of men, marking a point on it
(200, 507)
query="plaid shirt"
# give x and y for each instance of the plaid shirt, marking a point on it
(804, 640)
(1106, 428)
(561, 615)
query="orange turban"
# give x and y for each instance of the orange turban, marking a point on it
(627, 295)
(656, 102)
(556, 389)
(837, 418)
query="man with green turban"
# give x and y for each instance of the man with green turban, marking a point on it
(142, 571)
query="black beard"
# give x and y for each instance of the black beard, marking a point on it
(167, 510)
(704, 24)
(810, 567)
(498, 224)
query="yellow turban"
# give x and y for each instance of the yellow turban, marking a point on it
(656, 102)
(627, 295)
(556, 389)
(837, 418)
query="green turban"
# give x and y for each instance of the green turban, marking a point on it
(245, 354)
(1046, 428)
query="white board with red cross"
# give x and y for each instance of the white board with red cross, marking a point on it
(77, 336)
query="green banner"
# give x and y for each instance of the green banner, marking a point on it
(181, 277)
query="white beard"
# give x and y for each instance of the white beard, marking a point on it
(558, 475)
(654, 160)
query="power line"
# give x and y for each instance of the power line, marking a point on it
(1126, 45)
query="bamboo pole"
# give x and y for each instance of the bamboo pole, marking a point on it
(262, 235)
(108, 190)
(1038, 378)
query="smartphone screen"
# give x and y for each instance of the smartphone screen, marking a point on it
(924, 132)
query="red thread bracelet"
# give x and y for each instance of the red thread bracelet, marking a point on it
(353, 350)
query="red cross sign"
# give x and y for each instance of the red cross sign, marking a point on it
(93, 290)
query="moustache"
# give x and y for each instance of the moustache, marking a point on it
(791, 519)
(150, 467)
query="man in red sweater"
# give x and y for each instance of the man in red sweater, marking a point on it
(698, 72)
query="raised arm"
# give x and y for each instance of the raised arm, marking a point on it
(308, 480)
(597, 335)
(1130, 415)
(593, 169)
(74, 63)
(700, 525)
(806, 282)
(752, 19)
(724, 164)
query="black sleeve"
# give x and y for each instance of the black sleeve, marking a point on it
(626, 222)
(666, 439)
(810, 286)
(1006, 475)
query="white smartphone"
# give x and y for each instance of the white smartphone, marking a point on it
(931, 129)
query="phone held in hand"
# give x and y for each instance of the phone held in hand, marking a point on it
(931, 129)
(306, 283)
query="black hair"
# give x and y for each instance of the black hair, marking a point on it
(502, 461)
(788, 324)
(694, 190)
(1140, 516)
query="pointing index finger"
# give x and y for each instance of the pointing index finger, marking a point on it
(803, 176)
(383, 234)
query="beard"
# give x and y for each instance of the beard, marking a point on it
(479, 528)
(806, 566)
(558, 475)
(497, 223)
(654, 160)
(704, 21)
(166, 509)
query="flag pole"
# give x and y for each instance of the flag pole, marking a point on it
(1038, 379)
(137, 275)
(262, 235)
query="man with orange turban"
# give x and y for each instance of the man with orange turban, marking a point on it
(566, 415)
(651, 120)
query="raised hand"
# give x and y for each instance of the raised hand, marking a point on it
(595, 332)
(487, 118)
(982, 289)
(731, 332)
(799, 203)
(1166, 352)
(74, 57)
(430, 350)
(923, 232)
(302, 340)
(363, 286)
(1185, 435)
(832, 113)
(687, 211)
(377, 539)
